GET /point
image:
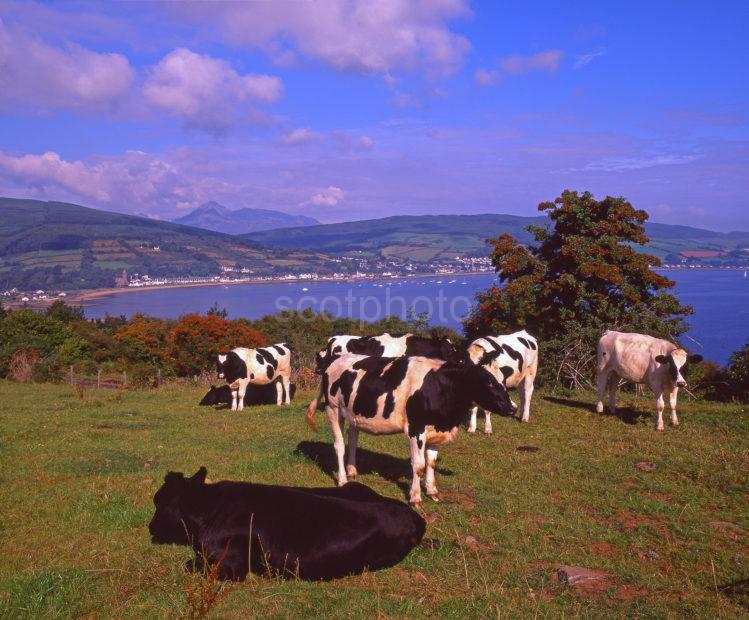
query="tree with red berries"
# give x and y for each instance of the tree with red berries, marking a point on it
(583, 275)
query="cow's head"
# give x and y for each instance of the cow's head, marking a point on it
(168, 525)
(452, 354)
(230, 367)
(678, 362)
(325, 357)
(211, 398)
(486, 391)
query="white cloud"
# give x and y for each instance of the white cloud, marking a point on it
(350, 35)
(205, 91)
(581, 60)
(302, 135)
(329, 197)
(38, 76)
(517, 64)
(615, 164)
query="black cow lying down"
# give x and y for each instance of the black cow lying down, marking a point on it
(255, 394)
(289, 531)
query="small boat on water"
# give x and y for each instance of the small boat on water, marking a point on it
(304, 289)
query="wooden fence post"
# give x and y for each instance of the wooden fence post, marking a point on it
(72, 376)
(124, 378)
(98, 378)
(158, 377)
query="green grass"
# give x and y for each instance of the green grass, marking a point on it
(78, 476)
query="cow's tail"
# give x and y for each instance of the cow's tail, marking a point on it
(310, 415)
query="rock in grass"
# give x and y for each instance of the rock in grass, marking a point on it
(579, 575)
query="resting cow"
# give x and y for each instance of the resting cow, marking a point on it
(287, 531)
(424, 398)
(255, 394)
(386, 345)
(642, 359)
(514, 365)
(242, 367)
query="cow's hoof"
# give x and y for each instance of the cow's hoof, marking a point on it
(435, 497)
(660, 429)
(524, 420)
(416, 503)
(599, 408)
(488, 431)
(351, 472)
(675, 423)
(471, 430)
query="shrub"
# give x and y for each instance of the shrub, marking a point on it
(738, 373)
(21, 366)
(195, 339)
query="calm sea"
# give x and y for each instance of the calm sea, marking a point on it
(719, 326)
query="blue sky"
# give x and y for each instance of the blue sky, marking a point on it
(350, 110)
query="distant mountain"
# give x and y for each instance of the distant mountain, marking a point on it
(426, 238)
(62, 245)
(216, 217)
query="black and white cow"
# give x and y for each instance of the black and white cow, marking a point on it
(513, 360)
(285, 531)
(240, 367)
(255, 394)
(334, 348)
(386, 345)
(424, 398)
(642, 359)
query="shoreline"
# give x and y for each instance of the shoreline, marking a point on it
(80, 298)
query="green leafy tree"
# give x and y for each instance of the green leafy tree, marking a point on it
(584, 274)
(738, 372)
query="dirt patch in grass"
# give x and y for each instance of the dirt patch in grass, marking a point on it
(465, 501)
(728, 529)
(604, 549)
(630, 521)
(630, 591)
(664, 498)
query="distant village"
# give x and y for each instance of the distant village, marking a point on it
(365, 269)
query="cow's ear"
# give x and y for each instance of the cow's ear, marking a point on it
(661, 359)
(694, 359)
(199, 475)
(174, 476)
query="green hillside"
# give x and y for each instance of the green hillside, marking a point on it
(56, 244)
(419, 238)
(434, 237)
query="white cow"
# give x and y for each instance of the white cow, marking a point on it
(513, 360)
(642, 359)
(241, 366)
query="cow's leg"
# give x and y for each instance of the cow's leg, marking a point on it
(672, 401)
(286, 380)
(418, 462)
(240, 394)
(603, 380)
(659, 405)
(526, 392)
(613, 386)
(338, 444)
(429, 482)
(487, 422)
(280, 399)
(353, 439)
(234, 394)
(472, 423)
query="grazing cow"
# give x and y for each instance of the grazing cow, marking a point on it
(255, 394)
(424, 398)
(642, 359)
(242, 366)
(286, 531)
(386, 345)
(513, 360)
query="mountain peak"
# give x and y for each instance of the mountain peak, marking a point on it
(214, 216)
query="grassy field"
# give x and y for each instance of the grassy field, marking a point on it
(78, 476)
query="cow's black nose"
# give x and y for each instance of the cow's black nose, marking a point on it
(681, 384)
